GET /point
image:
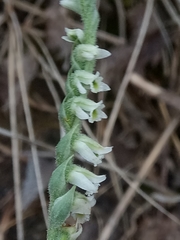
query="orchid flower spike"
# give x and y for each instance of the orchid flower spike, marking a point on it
(70, 206)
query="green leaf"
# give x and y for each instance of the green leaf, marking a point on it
(61, 209)
(57, 184)
(64, 148)
(57, 234)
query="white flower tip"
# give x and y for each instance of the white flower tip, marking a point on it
(107, 149)
(70, 4)
(65, 38)
(102, 53)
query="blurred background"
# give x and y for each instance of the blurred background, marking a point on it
(141, 197)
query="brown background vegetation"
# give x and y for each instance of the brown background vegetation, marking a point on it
(140, 199)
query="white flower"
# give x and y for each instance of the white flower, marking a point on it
(81, 207)
(90, 150)
(94, 81)
(85, 179)
(88, 109)
(88, 52)
(71, 4)
(73, 35)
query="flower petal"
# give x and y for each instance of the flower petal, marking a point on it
(90, 52)
(85, 179)
(81, 181)
(71, 4)
(102, 53)
(94, 146)
(80, 113)
(73, 35)
(85, 152)
(81, 89)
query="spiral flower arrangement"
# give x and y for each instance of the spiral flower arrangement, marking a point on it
(69, 208)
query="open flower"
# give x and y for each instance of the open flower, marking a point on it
(88, 109)
(71, 4)
(90, 150)
(84, 79)
(88, 52)
(81, 207)
(85, 179)
(73, 35)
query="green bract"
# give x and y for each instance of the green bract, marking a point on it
(69, 208)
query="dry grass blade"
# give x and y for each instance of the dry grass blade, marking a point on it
(121, 18)
(172, 11)
(14, 141)
(24, 94)
(54, 93)
(125, 176)
(25, 6)
(148, 163)
(50, 68)
(51, 63)
(4, 47)
(155, 91)
(126, 78)
(8, 133)
(175, 138)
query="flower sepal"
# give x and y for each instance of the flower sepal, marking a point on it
(88, 52)
(85, 179)
(90, 150)
(73, 5)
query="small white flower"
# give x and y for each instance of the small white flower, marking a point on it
(90, 150)
(85, 179)
(71, 4)
(81, 207)
(88, 52)
(88, 109)
(94, 81)
(73, 35)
